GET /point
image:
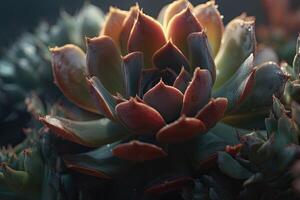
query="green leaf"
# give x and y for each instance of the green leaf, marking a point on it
(227, 133)
(231, 167)
(100, 163)
(269, 80)
(103, 99)
(132, 70)
(88, 133)
(234, 88)
(104, 61)
(238, 42)
(69, 71)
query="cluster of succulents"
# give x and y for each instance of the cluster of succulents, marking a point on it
(26, 65)
(180, 107)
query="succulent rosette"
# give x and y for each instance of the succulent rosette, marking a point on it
(154, 83)
(160, 89)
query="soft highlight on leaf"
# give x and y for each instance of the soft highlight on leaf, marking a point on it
(197, 93)
(210, 18)
(138, 151)
(181, 130)
(167, 100)
(87, 133)
(104, 62)
(147, 36)
(112, 26)
(139, 117)
(179, 28)
(69, 71)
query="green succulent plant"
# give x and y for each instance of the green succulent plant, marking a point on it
(26, 65)
(164, 100)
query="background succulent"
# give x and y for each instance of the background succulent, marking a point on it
(281, 28)
(159, 94)
(26, 66)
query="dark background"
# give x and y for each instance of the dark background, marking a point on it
(17, 16)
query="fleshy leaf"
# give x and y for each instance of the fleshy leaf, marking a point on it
(104, 62)
(182, 81)
(139, 117)
(127, 27)
(234, 88)
(147, 36)
(174, 8)
(197, 93)
(99, 163)
(132, 69)
(102, 97)
(167, 100)
(231, 167)
(88, 133)
(169, 56)
(200, 54)
(212, 112)
(69, 71)
(238, 42)
(181, 130)
(268, 80)
(169, 185)
(138, 151)
(179, 28)
(210, 18)
(150, 77)
(112, 26)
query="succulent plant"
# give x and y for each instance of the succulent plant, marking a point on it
(26, 65)
(162, 94)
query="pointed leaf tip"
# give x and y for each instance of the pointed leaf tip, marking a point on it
(174, 8)
(197, 93)
(87, 133)
(112, 26)
(200, 54)
(127, 27)
(181, 130)
(167, 100)
(212, 112)
(69, 71)
(211, 19)
(104, 62)
(138, 151)
(147, 36)
(239, 37)
(139, 117)
(179, 28)
(169, 56)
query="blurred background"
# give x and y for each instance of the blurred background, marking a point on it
(17, 16)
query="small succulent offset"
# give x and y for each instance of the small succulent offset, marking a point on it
(162, 90)
(26, 65)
